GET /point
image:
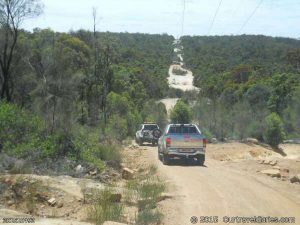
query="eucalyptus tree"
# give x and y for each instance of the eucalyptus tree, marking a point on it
(12, 15)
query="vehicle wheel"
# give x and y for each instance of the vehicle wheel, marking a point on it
(159, 157)
(140, 142)
(156, 133)
(201, 160)
(165, 159)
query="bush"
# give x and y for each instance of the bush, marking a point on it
(255, 130)
(274, 131)
(23, 135)
(91, 151)
(117, 128)
(179, 72)
(207, 134)
(181, 113)
(104, 209)
(17, 126)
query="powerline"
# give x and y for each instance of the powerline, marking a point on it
(249, 18)
(215, 16)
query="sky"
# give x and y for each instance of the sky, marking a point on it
(272, 17)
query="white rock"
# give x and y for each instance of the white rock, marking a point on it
(273, 163)
(79, 169)
(127, 174)
(271, 172)
(252, 141)
(52, 201)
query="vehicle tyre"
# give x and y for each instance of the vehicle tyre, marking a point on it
(159, 157)
(140, 142)
(154, 143)
(201, 160)
(165, 159)
(156, 133)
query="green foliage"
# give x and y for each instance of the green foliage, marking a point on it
(91, 151)
(244, 78)
(149, 217)
(179, 72)
(117, 127)
(291, 115)
(274, 133)
(104, 209)
(23, 135)
(258, 95)
(155, 112)
(207, 134)
(17, 126)
(181, 113)
(123, 116)
(283, 86)
(146, 189)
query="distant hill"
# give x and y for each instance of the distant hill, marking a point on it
(244, 80)
(209, 56)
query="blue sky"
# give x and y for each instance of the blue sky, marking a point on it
(273, 17)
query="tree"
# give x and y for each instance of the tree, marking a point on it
(181, 113)
(12, 14)
(274, 133)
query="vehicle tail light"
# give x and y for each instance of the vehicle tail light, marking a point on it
(205, 141)
(168, 142)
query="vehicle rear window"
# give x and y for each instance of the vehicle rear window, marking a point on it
(183, 130)
(150, 127)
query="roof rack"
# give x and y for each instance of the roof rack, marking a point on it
(149, 123)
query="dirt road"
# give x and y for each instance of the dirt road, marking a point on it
(182, 82)
(220, 189)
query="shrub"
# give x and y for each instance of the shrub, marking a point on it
(17, 126)
(181, 113)
(23, 135)
(179, 72)
(256, 130)
(274, 131)
(117, 128)
(91, 151)
(207, 134)
(149, 216)
(104, 209)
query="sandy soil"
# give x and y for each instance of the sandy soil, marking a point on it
(169, 103)
(184, 83)
(227, 187)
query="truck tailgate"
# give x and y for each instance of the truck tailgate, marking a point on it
(186, 141)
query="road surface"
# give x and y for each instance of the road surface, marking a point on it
(218, 190)
(182, 82)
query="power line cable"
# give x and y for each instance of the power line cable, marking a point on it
(251, 15)
(215, 16)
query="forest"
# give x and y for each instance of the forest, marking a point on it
(250, 86)
(70, 91)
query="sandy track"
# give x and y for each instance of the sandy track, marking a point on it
(169, 103)
(184, 83)
(218, 190)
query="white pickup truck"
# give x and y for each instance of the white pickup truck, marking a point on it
(184, 141)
